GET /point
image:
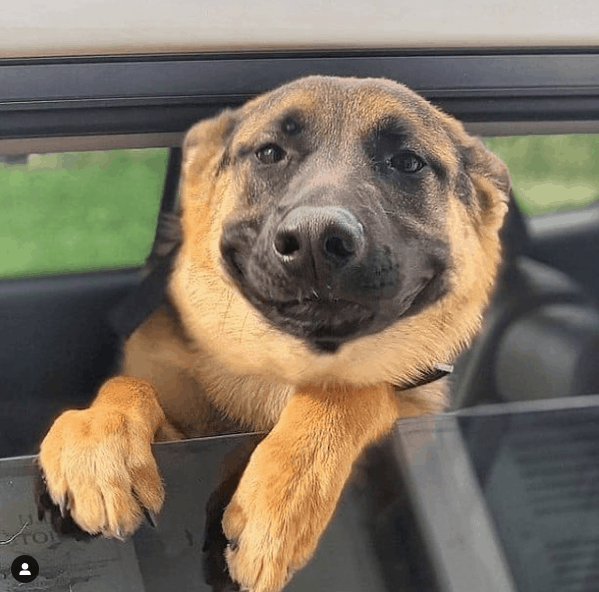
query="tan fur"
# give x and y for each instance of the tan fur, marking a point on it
(217, 365)
(98, 463)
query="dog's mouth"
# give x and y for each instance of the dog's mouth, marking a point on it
(325, 324)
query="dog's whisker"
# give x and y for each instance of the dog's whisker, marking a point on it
(226, 313)
(243, 326)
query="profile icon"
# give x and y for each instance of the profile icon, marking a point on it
(24, 569)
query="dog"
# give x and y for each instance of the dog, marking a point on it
(340, 239)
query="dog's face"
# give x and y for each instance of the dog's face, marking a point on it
(337, 229)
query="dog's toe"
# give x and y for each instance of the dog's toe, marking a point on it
(99, 473)
(59, 517)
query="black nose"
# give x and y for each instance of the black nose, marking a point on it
(317, 236)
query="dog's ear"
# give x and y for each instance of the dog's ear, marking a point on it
(483, 183)
(205, 147)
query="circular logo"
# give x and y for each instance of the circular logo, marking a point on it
(24, 569)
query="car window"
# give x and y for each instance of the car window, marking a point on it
(551, 173)
(78, 211)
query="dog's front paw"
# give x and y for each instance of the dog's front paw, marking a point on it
(97, 466)
(275, 519)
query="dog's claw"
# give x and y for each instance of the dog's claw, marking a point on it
(62, 504)
(150, 518)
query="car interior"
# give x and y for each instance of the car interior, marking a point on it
(59, 337)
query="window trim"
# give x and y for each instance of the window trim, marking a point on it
(165, 94)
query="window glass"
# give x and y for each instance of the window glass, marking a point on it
(551, 173)
(78, 211)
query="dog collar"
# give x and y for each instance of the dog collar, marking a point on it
(437, 372)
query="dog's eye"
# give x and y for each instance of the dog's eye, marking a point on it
(406, 162)
(270, 154)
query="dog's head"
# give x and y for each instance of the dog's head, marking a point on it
(337, 229)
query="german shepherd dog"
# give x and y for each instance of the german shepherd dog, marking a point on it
(340, 238)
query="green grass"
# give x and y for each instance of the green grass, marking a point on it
(79, 211)
(97, 210)
(551, 173)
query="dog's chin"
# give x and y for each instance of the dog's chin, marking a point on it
(325, 325)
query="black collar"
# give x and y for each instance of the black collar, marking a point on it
(437, 372)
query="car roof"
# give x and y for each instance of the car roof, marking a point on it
(90, 27)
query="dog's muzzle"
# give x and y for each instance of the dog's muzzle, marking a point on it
(319, 274)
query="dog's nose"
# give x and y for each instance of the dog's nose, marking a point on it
(313, 236)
